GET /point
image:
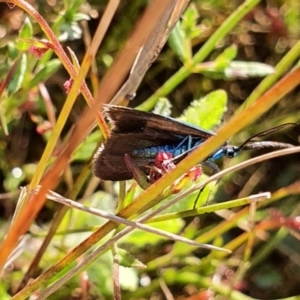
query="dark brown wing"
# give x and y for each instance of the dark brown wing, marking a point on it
(109, 163)
(125, 120)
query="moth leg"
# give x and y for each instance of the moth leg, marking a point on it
(211, 165)
(187, 139)
(215, 169)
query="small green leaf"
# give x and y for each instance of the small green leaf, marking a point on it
(25, 33)
(224, 59)
(81, 17)
(196, 32)
(236, 70)
(230, 53)
(3, 293)
(241, 69)
(12, 51)
(46, 71)
(37, 43)
(75, 61)
(18, 77)
(189, 19)
(163, 107)
(207, 111)
(216, 69)
(176, 42)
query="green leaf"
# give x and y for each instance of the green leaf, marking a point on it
(196, 32)
(140, 238)
(46, 71)
(3, 293)
(236, 70)
(163, 107)
(241, 69)
(189, 19)
(12, 51)
(224, 59)
(75, 61)
(207, 111)
(216, 69)
(81, 17)
(177, 42)
(25, 33)
(18, 77)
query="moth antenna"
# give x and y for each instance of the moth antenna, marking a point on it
(266, 132)
(265, 145)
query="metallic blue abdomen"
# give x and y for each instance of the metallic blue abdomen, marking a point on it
(175, 150)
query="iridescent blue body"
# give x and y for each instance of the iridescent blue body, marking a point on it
(151, 152)
(143, 135)
(178, 150)
(175, 150)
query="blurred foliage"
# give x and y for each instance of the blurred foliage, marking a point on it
(31, 103)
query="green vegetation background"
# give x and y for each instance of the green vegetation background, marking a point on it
(214, 92)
